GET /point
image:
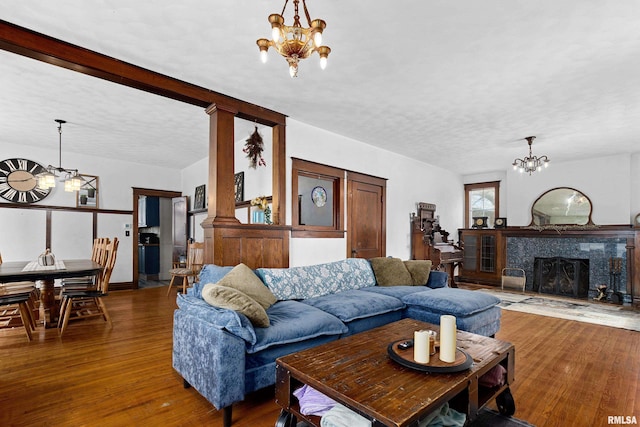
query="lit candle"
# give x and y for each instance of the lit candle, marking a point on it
(448, 338)
(421, 346)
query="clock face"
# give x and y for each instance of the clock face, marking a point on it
(499, 221)
(18, 182)
(479, 221)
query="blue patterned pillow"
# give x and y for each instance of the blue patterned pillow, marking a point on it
(317, 280)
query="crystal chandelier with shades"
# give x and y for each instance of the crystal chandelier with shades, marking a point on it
(47, 179)
(530, 163)
(295, 42)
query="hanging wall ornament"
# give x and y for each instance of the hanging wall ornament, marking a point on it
(253, 148)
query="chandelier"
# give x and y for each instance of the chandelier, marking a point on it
(530, 163)
(47, 179)
(295, 42)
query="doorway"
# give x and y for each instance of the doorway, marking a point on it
(151, 234)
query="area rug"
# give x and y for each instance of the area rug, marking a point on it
(597, 313)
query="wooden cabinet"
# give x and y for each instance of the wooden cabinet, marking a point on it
(148, 211)
(484, 256)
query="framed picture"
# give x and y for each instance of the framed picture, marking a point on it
(238, 180)
(87, 196)
(199, 199)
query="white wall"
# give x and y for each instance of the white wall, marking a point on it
(408, 182)
(22, 231)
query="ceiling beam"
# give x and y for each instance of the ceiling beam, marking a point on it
(41, 47)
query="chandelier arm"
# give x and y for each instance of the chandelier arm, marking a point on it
(283, 9)
(306, 12)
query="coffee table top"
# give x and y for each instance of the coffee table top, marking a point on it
(357, 372)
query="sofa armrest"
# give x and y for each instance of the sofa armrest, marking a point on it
(220, 318)
(210, 359)
(438, 279)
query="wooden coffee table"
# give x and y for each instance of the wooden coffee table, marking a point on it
(357, 372)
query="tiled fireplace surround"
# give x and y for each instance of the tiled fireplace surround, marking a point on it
(521, 252)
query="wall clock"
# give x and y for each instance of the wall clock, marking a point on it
(18, 182)
(480, 221)
(636, 221)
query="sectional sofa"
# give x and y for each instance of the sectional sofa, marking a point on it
(233, 324)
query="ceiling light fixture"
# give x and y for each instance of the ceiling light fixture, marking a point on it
(530, 163)
(72, 181)
(295, 42)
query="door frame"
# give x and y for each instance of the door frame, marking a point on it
(137, 192)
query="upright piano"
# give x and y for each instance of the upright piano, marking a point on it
(430, 242)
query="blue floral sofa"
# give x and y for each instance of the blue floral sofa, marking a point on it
(224, 356)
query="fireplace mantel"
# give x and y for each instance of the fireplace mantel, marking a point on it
(624, 239)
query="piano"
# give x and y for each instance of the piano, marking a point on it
(430, 241)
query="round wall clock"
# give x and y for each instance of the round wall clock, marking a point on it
(636, 221)
(18, 182)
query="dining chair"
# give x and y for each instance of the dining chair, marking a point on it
(195, 260)
(87, 303)
(19, 305)
(99, 254)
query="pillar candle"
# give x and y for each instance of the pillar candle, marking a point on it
(448, 338)
(421, 346)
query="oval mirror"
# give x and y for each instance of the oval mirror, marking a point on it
(561, 206)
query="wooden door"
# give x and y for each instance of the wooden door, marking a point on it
(179, 226)
(366, 212)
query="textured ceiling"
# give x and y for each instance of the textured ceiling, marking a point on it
(459, 83)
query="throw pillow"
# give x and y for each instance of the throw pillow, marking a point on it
(419, 270)
(245, 280)
(390, 272)
(233, 299)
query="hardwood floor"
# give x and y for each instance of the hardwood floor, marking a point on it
(567, 373)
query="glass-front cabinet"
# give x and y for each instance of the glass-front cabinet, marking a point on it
(483, 256)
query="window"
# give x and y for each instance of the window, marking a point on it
(482, 199)
(317, 200)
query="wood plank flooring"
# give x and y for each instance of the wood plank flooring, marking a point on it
(567, 373)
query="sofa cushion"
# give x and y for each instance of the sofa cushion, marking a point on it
(210, 273)
(458, 302)
(355, 304)
(245, 280)
(233, 299)
(396, 291)
(419, 270)
(316, 280)
(292, 321)
(390, 271)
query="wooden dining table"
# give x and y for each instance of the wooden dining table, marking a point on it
(17, 271)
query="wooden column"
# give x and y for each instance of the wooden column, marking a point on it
(221, 201)
(279, 175)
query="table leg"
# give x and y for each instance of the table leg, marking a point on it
(49, 303)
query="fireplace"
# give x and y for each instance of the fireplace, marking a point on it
(561, 276)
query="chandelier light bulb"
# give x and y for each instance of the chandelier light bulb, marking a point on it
(293, 70)
(263, 56)
(275, 34)
(323, 62)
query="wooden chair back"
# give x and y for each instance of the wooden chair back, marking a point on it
(99, 252)
(105, 276)
(195, 256)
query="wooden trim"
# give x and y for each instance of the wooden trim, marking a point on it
(64, 208)
(47, 232)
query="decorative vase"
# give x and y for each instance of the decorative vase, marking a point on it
(258, 216)
(46, 258)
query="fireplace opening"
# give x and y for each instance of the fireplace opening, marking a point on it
(561, 276)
